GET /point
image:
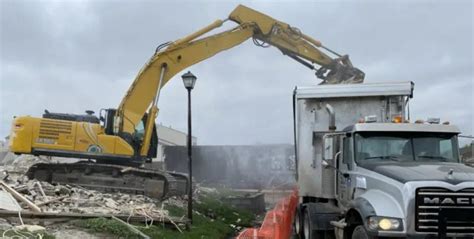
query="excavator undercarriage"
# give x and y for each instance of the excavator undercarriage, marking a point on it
(112, 178)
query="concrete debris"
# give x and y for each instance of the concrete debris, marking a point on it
(7, 202)
(20, 164)
(74, 233)
(4, 224)
(2, 155)
(254, 202)
(65, 201)
(71, 199)
(8, 158)
(80, 200)
(25, 199)
(62, 190)
(20, 197)
(110, 203)
(30, 228)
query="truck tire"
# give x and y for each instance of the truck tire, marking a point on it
(298, 223)
(308, 230)
(309, 226)
(360, 233)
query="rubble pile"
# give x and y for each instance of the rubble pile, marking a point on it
(32, 208)
(74, 199)
(63, 199)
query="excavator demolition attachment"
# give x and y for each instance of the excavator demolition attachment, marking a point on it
(118, 142)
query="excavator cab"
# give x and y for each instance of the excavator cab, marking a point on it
(107, 120)
(135, 139)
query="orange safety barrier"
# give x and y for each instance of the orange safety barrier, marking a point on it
(277, 222)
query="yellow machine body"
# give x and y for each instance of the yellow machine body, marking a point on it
(31, 135)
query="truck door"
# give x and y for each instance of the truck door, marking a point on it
(343, 178)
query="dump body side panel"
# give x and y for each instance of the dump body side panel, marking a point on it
(350, 104)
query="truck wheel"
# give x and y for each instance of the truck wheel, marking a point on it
(360, 233)
(310, 224)
(308, 230)
(297, 224)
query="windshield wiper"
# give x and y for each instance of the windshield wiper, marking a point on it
(384, 157)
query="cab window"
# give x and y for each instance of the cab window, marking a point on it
(139, 131)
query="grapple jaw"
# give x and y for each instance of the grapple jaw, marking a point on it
(341, 71)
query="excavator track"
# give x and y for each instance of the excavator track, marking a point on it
(112, 178)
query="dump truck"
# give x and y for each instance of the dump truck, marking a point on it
(365, 169)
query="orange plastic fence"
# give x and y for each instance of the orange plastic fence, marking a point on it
(277, 222)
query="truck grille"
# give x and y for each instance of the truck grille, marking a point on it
(440, 207)
(50, 129)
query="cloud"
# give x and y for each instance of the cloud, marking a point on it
(73, 56)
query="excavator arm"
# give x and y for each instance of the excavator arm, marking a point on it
(122, 140)
(171, 58)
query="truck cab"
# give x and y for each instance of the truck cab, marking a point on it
(395, 180)
(379, 176)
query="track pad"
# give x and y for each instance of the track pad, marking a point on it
(154, 188)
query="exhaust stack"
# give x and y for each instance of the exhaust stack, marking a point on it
(332, 117)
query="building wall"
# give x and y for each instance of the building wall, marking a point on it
(244, 167)
(168, 136)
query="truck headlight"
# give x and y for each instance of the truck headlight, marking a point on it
(385, 224)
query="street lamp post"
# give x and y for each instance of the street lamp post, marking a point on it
(189, 80)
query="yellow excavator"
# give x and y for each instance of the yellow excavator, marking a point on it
(120, 140)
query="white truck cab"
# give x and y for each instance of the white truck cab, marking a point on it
(364, 170)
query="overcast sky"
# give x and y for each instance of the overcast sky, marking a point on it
(70, 56)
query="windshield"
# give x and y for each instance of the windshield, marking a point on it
(405, 147)
(139, 131)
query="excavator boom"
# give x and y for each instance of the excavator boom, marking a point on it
(172, 58)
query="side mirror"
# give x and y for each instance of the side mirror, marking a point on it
(328, 149)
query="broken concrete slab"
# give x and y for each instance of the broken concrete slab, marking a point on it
(7, 202)
(2, 156)
(4, 224)
(75, 233)
(30, 228)
(19, 197)
(254, 202)
(110, 203)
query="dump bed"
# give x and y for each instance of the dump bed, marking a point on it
(350, 103)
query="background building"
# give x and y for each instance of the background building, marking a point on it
(167, 136)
